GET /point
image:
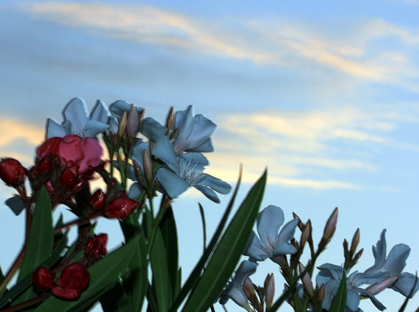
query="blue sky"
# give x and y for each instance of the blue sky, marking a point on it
(324, 94)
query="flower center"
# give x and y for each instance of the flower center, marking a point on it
(190, 173)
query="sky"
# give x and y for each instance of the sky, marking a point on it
(324, 94)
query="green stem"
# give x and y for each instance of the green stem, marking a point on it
(12, 271)
(24, 305)
(155, 226)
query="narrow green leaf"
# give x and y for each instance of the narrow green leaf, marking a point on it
(339, 302)
(21, 286)
(103, 274)
(41, 236)
(116, 300)
(228, 251)
(169, 233)
(160, 270)
(136, 285)
(196, 273)
(404, 305)
(151, 299)
(1, 275)
(40, 242)
(204, 225)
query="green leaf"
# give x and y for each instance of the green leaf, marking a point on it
(1, 275)
(404, 305)
(204, 225)
(196, 273)
(339, 302)
(40, 241)
(103, 275)
(228, 251)
(26, 282)
(160, 270)
(116, 300)
(170, 238)
(136, 285)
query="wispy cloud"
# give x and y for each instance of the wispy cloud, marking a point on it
(303, 149)
(262, 42)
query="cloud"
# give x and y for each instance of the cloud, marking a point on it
(352, 53)
(314, 149)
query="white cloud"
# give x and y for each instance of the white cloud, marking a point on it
(262, 42)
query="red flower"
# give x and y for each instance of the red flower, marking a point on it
(73, 280)
(97, 200)
(42, 279)
(120, 207)
(96, 246)
(12, 172)
(84, 152)
(45, 165)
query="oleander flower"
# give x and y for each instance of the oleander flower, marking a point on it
(234, 289)
(78, 122)
(331, 276)
(270, 243)
(194, 132)
(84, 152)
(394, 265)
(12, 172)
(184, 171)
(42, 279)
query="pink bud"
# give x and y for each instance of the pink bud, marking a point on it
(42, 279)
(269, 290)
(330, 227)
(45, 165)
(96, 246)
(120, 207)
(98, 199)
(307, 283)
(132, 122)
(73, 280)
(69, 177)
(12, 172)
(355, 241)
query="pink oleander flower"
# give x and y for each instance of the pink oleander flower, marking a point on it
(12, 172)
(42, 279)
(73, 281)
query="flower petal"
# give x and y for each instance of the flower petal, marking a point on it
(208, 193)
(380, 252)
(254, 250)
(352, 300)
(54, 129)
(196, 158)
(152, 129)
(284, 249)
(374, 300)
(269, 221)
(203, 148)
(135, 191)
(100, 112)
(396, 260)
(76, 112)
(165, 152)
(405, 284)
(93, 128)
(172, 183)
(287, 232)
(216, 184)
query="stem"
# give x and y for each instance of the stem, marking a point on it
(12, 271)
(25, 304)
(76, 222)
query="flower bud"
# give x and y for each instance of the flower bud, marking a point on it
(98, 199)
(358, 255)
(69, 177)
(306, 234)
(330, 227)
(249, 290)
(73, 280)
(132, 122)
(42, 279)
(170, 121)
(96, 246)
(321, 293)
(378, 287)
(122, 125)
(355, 241)
(300, 223)
(120, 207)
(45, 165)
(306, 279)
(12, 172)
(269, 290)
(148, 167)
